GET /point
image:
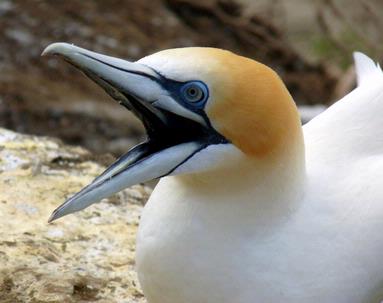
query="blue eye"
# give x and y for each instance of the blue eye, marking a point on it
(194, 92)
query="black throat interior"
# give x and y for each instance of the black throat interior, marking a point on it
(163, 128)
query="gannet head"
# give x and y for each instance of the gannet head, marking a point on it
(203, 109)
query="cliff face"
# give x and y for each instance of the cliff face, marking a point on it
(85, 257)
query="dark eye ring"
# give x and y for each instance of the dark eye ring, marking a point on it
(194, 92)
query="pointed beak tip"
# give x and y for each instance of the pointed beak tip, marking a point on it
(51, 218)
(54, 216)
(57, 48)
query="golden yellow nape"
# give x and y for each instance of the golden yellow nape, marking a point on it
(268, 224)
(248, 102)
(251, 106)
(284, 232)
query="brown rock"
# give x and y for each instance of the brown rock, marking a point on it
(85, 257)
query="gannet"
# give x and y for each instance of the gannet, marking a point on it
(251, 207)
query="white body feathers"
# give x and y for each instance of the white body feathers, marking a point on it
(296, 237)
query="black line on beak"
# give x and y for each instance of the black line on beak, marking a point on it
(123, 69)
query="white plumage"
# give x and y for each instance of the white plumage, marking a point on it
(320, 241)
(253, 209)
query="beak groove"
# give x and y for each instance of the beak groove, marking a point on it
(125, 172)
(172, 138)
(137, 72)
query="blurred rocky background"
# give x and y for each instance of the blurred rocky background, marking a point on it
(89, 256)
(309, 43)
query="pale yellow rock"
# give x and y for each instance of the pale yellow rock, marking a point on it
(85, 257)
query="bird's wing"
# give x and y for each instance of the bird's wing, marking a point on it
(366, 69)
(352, 128)
(344, 194)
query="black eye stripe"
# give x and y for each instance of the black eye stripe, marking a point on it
(175, 89)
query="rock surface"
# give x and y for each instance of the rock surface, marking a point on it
(85, 257)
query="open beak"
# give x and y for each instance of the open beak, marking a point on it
(174, 134)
